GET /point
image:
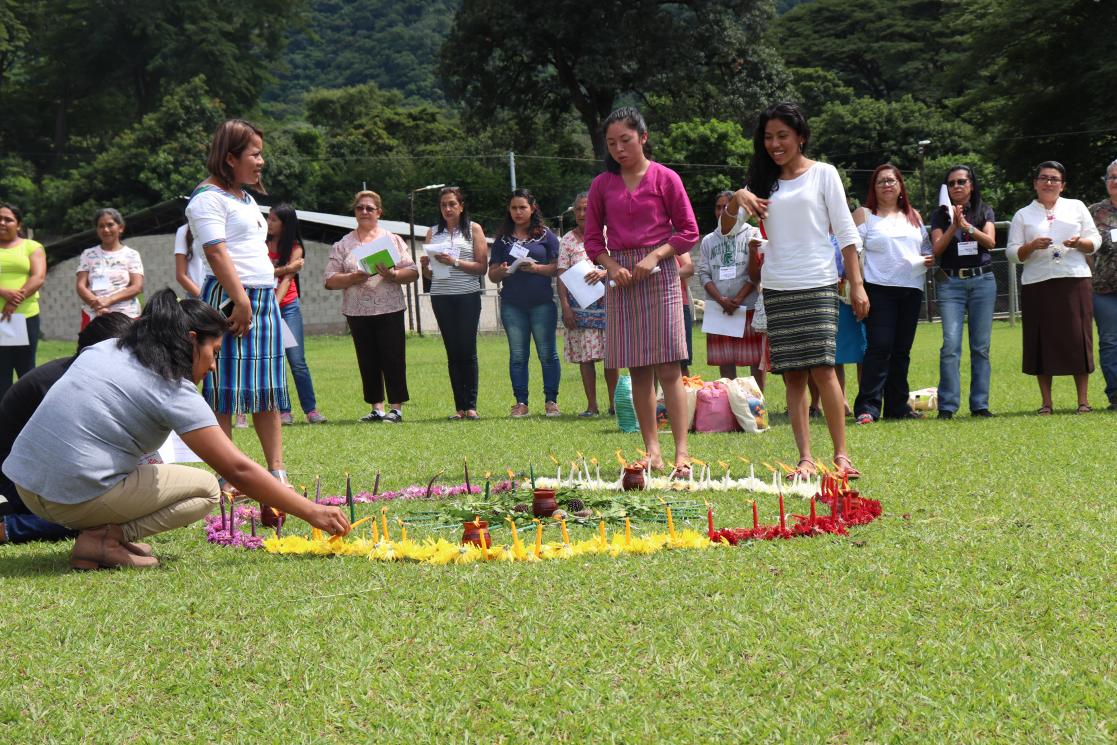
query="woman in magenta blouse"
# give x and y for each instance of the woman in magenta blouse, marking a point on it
(649, 220)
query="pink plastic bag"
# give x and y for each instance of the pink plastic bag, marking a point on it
(713, 413)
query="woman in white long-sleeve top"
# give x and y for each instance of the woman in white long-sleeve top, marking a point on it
(1051, 237)
(800, 202)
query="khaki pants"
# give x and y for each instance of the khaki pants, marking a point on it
(150, 500)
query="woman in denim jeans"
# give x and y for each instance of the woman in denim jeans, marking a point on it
(524, 259)
(1105, 282)
(962, 238)
(285, 249)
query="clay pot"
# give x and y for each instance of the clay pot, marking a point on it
(543, 503)
(633, 479)
(476, 532)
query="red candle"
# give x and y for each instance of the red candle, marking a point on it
(710, 520)
(783, 518)
(755, 516)
(812, 512)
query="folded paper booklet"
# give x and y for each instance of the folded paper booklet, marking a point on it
(13, 332)
(381, 251)
(1059, 231)
(716, 321)
(520, 262)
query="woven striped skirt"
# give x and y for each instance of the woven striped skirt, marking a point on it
(644, 322)
(729, 350)
(802, 327)
(251, 375)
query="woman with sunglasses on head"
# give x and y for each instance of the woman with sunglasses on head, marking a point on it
(373, 306)
(962, 237)
(1105, 282)
(456, 293)
(285, 251)
(897, 254)
(1052, 237)
(527, 306)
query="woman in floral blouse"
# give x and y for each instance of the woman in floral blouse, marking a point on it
(1105, 283)
(109, 276)
(373, 306)
(585, 327)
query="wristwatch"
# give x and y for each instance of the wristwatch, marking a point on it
(457, 262)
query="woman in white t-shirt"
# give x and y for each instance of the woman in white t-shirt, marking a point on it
(800, 202)
(109, 276)
(190, 269)
(250, 376)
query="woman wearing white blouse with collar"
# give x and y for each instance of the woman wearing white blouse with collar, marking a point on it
(1051, 237)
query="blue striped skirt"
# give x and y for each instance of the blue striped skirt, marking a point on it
(251, 374)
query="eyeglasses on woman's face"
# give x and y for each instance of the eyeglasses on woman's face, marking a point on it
(1110, 179)
(887, 182)
(367, 208)
(957, 183)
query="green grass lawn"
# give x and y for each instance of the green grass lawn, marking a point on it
(980, 607)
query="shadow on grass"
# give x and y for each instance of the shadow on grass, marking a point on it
(36, 564)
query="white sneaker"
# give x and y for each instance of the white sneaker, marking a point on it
(285, 418)
(242, 421)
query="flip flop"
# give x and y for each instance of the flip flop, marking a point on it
(1084, 409)
(1044, 411)
(847, 470)
(681, 472)
(801, 472)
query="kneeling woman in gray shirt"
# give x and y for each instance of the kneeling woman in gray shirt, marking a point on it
(118, 401)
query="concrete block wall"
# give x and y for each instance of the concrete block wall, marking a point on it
(321, 308)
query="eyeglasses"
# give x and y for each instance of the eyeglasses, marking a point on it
(366, 208)
(1112, 178)
(887, 182)
(958, 182)
(1048, 180)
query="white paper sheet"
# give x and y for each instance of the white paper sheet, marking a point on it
(716, 321)
(174, 450)
(288, 335)
(438, 269)
(1060, 231)
(13, 332)
(574, 279)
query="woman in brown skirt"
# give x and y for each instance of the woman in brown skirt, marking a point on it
(649, 220)
(1051, 237)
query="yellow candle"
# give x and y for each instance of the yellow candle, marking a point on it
(538, 537)
(565, 534)
(375, 533)
(627, 532)
(670, 523)
(601, 529)
(515, 534)
(384, 523)
(402, 529)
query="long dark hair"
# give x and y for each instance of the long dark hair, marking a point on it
(975, 208)
(633, 119)
(160, 337)
(902, 201)
(535, 228)
(463, 221)
(109, 326)
(289, 236)
(764, 175)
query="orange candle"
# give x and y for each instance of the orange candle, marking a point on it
(538, 537)
(601, 528)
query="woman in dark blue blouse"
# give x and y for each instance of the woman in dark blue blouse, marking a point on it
(524, 260)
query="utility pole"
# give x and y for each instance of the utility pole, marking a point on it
(512, 168)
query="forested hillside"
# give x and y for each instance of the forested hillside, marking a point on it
(111, 103)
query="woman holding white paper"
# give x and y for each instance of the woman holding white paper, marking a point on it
(1051, 237)
(285, 250)
(585, 327)
(23, 269)
(456, 295)
(723, 261)
(524, 259)
(962, 237)
(373, 306)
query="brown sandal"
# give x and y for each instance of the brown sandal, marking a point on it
(846, 470)
(801, 472)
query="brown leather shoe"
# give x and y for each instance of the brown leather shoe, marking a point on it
(103, 548)
(139, 549)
